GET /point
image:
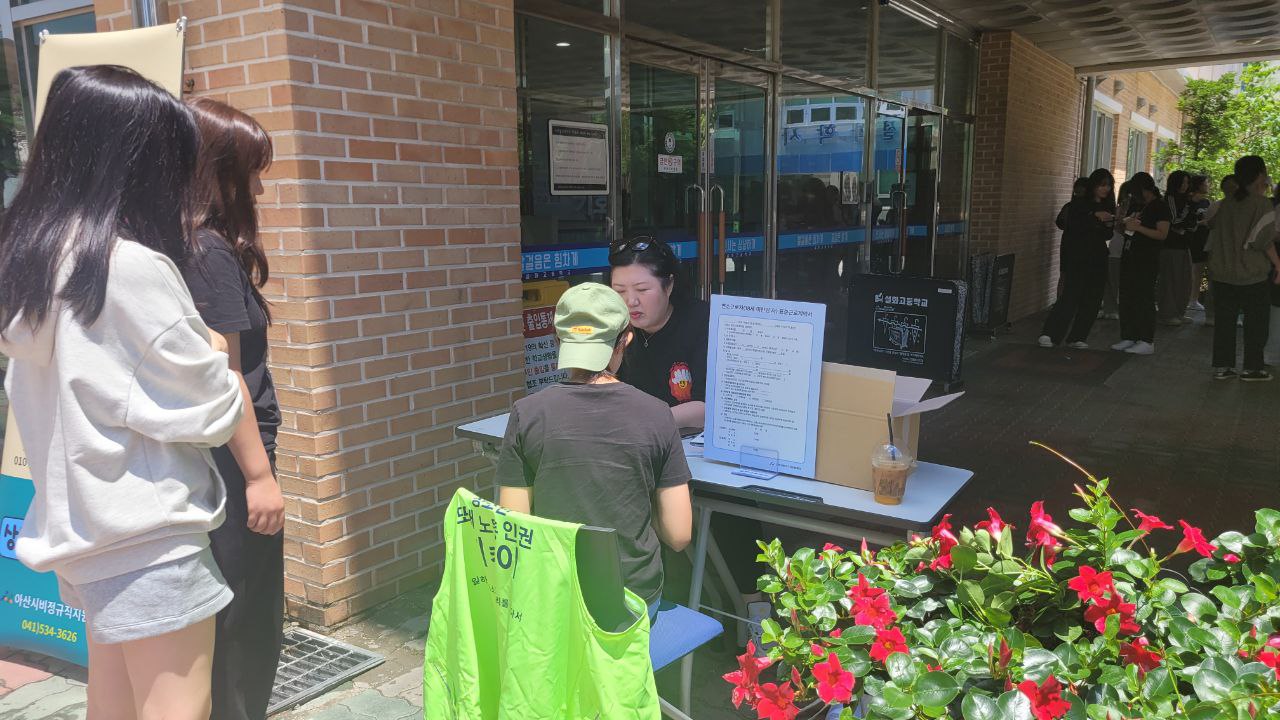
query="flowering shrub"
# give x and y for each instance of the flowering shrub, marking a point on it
(1083, 622)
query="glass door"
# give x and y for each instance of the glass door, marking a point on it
(694, 170)
(888, 198)
(923, 143)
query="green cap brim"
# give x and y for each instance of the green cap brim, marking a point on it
(591, 356)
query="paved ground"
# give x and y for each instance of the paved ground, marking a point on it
(1175, 442)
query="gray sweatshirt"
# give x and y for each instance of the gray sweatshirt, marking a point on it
(117, 419)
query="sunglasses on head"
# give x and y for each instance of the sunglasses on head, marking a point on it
(635, 244)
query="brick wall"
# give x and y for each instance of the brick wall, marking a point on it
(1025, 160)
(391, 221)
(1149, 87)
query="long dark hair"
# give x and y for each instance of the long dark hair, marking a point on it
(1102, 177)
(1248, 169)
(659, 258)
(113, 157)
(1144, 182)
(233, 146)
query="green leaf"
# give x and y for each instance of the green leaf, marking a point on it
(896, 697)
(970, 593)
(1006, 543)
(1198, 606)
(979, 707)
(858, 635)
(1013, 705)
(936, 689)
(1069, 656)
(1081, 515)
(900, 667)
(1039, 663)
(770, 631)
(1159, 684)
(1122, 556)
(1211, 686)
(769, 584)
(963, 559)
(1232, 541)
(1269, 525)
(998, 617)
(1227, 596)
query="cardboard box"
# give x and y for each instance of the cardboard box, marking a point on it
(853, 408)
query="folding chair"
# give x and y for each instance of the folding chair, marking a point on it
(676, 631)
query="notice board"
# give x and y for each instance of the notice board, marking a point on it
(913, 326)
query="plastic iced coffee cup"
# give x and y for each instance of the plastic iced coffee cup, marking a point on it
(889, 470)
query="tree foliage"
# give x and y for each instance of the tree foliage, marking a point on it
(1226, 119)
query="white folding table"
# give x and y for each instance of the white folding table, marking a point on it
(809, 505)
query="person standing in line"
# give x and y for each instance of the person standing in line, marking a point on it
(119, 388)
(1242, 258)
(1198, 238)
(1271, 352)
(1228, 187)
(1086, 222)
(1115, 248)
(1140, 263)
(1078, 190)
(1174, 286)
(227, 268)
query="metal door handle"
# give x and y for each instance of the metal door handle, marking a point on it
(722, 256)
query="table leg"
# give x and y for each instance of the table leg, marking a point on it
(700, 541)
(722, 569)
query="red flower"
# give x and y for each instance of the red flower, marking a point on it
(836, 633)
(1098, 614)
(1231, 558)
(1136, 653)
(830, 546)
(835, 684)
(995, 525)
(1193, 539)
(946, 540)
(1046, 698)
(1043, 533)
(817, 650)
(747, 677)
(864, 590)
(1273, 641)
(874, 611)
(1271, 660)
(1150, 522)
(887, 643)
(777, 702)
(1091, 585)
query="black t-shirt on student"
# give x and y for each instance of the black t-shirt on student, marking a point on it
(224, 296)
(1181, 224)
(595, 455)
(671, 364)
(1153, 213)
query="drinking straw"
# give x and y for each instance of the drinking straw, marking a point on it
(893, 449)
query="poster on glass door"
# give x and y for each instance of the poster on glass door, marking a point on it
(579, 155)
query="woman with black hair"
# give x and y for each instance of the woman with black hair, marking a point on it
(667, 359)
(119, 388)
(1242, 255)
(227, 268)
(1140, 264)
(1175, 255)
(1086, 224)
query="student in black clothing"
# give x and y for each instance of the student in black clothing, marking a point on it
(668, 360)
(1174, 287)
(1199, 237)
(227, 268)
(1143, 235)
(1086, 224)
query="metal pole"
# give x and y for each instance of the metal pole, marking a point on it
(145, 13)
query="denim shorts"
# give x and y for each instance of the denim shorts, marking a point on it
(152, 601)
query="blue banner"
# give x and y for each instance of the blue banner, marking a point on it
(32, 614)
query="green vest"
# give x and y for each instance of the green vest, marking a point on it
(510, 636)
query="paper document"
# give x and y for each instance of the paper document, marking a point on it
(764, 369)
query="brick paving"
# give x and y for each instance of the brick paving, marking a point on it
(1175, 442)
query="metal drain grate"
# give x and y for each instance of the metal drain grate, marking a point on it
(312, 664)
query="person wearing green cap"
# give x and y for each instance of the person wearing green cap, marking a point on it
(597, 451)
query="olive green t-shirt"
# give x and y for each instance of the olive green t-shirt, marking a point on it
(1239, 236)
(594, 455)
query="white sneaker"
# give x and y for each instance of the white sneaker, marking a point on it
(1113, 316)
(1079, 346)
(1045, 341)
(1195, 306)
(1142, 348)
(1123, 345)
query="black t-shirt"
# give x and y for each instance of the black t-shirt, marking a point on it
(671, 364)
(595, 454)
(1181, 223)
(1153, 213)
(224, 296)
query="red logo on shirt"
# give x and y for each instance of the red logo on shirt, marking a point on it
(681, 382)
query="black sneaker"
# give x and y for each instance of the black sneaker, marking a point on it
(1225, 374)
(1256, 376)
